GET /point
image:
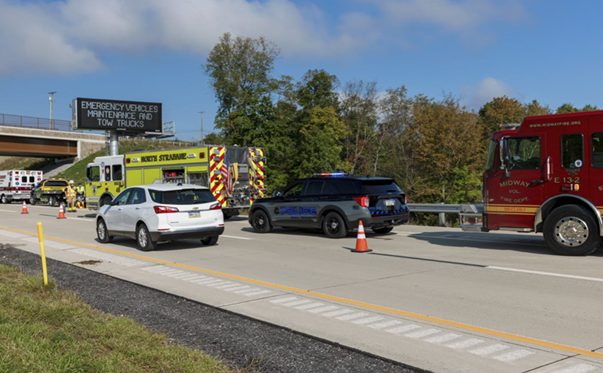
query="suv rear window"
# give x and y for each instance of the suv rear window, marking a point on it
(56, 183)
(182, 197)
(380, 186)
(335, 186)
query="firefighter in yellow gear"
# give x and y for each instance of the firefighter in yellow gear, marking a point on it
(81, 191)
(70, 194)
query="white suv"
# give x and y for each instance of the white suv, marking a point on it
(161, 212)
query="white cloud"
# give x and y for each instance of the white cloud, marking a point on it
(486, 90)
(71, 35)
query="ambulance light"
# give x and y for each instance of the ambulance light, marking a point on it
(127, 160)
(202, 155)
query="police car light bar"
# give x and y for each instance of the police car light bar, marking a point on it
(332, 174)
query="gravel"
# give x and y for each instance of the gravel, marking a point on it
(238, 340)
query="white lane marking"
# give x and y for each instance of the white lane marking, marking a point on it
(197, 277)
(236, 237)
(546, 273)
(256, 293)
(208, 281)
(489, 349)
(337, 313)
(283, 300)
(243, 291)
(352, 316)
(367, 320)
(203, 280)
(310, 305)
(323, 309)
(513, 355)
(403, 329)
(297, 303)
(169, 271)
(221, 282)
(423, 333)
(240, 287)
(580, 368)
(156, 269)
(186, 276)
(13, 234)
(385, 324)
(443, 338)
(465, 344)
(228, 286)
(7, 210)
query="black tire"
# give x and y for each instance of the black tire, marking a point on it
(333, 226)
(143, 238)
(383, 230)
(210, 241)
(102, 233)
(571, 230)
(261, 222)
(52, 201)
(32, 200)
(3, 199)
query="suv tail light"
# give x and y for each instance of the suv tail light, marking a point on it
(216, 206)
(362, 201)
(406, 199)
(164, 209)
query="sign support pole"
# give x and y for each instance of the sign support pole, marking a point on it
(113, 143)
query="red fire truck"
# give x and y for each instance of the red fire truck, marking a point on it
(545, 175)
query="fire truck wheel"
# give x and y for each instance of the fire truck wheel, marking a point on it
(571, 230)
(143, 238)
(260, 222)
(333, 226)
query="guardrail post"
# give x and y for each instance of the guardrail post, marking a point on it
(442, 219)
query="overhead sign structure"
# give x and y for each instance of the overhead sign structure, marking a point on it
(112, 115)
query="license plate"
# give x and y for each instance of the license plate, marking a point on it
(194, 214)
(390, 202)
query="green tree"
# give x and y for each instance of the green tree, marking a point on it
(535, 108)
(499, 111)
(567, 108)
(239, 71)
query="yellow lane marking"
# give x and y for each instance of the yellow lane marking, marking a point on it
(468, 327)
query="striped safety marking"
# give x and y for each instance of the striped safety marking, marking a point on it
(216, 161)
(404, 329)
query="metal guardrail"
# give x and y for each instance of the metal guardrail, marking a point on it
(38, 123)
(442, 209)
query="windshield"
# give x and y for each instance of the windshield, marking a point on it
(56, 183)
(491, 154)
(182, 197)
(380, 186)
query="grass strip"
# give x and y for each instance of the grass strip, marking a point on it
(45, 329)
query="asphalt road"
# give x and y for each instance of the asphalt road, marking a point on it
(434, 298)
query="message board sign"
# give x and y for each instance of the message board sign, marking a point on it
(112, 115)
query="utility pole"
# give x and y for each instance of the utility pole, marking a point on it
(51, 99)
(202, 140)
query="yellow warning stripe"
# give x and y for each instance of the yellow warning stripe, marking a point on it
(436, 320)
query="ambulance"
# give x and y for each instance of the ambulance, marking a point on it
(235, 175)
(16, 185)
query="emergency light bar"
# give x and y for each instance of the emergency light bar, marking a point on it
(331, 174)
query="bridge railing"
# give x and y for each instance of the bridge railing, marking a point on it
(442, 209)
(33, 122)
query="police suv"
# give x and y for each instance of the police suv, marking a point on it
(333, 202)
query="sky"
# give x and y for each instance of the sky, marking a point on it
(154, 50)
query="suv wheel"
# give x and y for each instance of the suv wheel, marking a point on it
(32, 200)
(209, 241)
(260, 222)
(102, 232)
(143, 238)
(333, 226)
(383, 230)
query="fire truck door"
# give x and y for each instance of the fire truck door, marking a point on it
(515, 193)
(568, 164)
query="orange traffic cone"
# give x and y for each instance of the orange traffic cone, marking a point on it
(24, 210)
(361, 245)
(61, 213)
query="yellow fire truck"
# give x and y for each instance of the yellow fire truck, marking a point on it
(235, 175)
